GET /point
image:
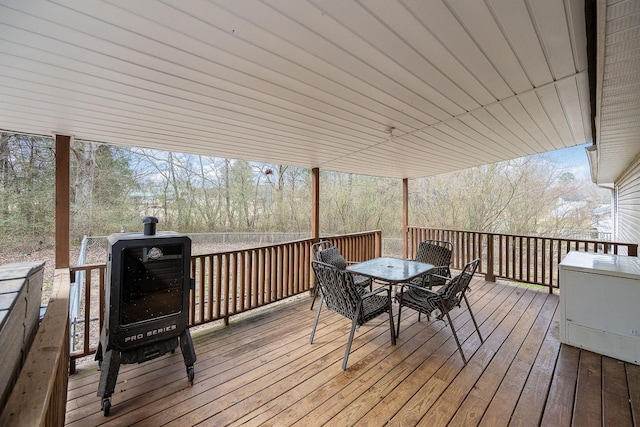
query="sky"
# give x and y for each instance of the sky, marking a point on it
(572, 159)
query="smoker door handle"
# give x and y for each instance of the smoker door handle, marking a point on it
(192, 283)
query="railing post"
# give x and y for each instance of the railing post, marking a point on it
(315, 204)
(489, 276)
(378, 237)
(405, 218)
(63, 144)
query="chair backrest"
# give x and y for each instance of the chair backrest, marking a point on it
(337, 287)
(453, 291)
(434, 252)
(319, 246)
(329, 254)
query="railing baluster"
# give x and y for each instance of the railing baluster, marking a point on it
(512, 256)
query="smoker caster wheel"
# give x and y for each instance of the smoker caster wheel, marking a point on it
(190, 373)
(106, 406)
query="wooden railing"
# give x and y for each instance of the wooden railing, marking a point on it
(92, 311)
(39, 397)
(227, 283)
(526, 259)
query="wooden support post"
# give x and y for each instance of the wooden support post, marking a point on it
(63, 151)
(315, 220)
(405, 218)
(489, 275)
(315, 204)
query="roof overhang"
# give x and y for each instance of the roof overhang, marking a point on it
(400, 89)
(617, 118)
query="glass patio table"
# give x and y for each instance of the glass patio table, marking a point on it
(391, 270)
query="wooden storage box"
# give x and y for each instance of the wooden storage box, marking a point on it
(20, 295)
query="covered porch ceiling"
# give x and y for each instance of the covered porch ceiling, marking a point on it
(397, 88)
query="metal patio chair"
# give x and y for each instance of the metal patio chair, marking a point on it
(325, 251)
(341, 295)
(446, 298)
(438, 253)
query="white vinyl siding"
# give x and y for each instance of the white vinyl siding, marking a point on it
(628, 204)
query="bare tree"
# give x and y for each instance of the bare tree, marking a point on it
(85, 156)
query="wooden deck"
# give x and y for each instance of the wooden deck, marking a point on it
(261, 370)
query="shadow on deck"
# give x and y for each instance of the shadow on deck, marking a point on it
(261, 370)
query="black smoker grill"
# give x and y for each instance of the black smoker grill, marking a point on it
(147, 303)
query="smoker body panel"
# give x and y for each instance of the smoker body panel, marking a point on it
(148, 299)
(146, 303)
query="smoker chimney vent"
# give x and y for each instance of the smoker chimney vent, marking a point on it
(149, 225)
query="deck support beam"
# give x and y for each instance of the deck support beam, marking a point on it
(63, 152)
(405, 217)
(315, 204)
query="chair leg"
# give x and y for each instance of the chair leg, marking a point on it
(398, 325)
(313, 331)
(354, 323)
(473, 317)
(393, 330)
(315, 295)
(399, 315)
(464, 359)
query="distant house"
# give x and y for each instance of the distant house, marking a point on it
(568, 206)
(148, 203)
(602, 222)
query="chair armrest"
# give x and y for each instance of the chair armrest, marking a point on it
(413, 285)
(375, 292)
(439, 276)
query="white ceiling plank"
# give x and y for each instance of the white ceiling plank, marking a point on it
(162, 130)
(532, 104)
(487, 126)
(199, 99)
(516, 24)
(575, 10)
(286, 74)
(157, 100)
(454, 142)
(572, 103)
(551, 21)
(153, 117)
(396, 16)
(336, 68)
(489, 38)
(196, 88)
(429, 145)
(439, 20)
(389, 62)
(550, 100)
(503, 116)
(516, 109)
(401, 61)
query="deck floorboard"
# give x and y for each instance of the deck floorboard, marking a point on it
(261, 370)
